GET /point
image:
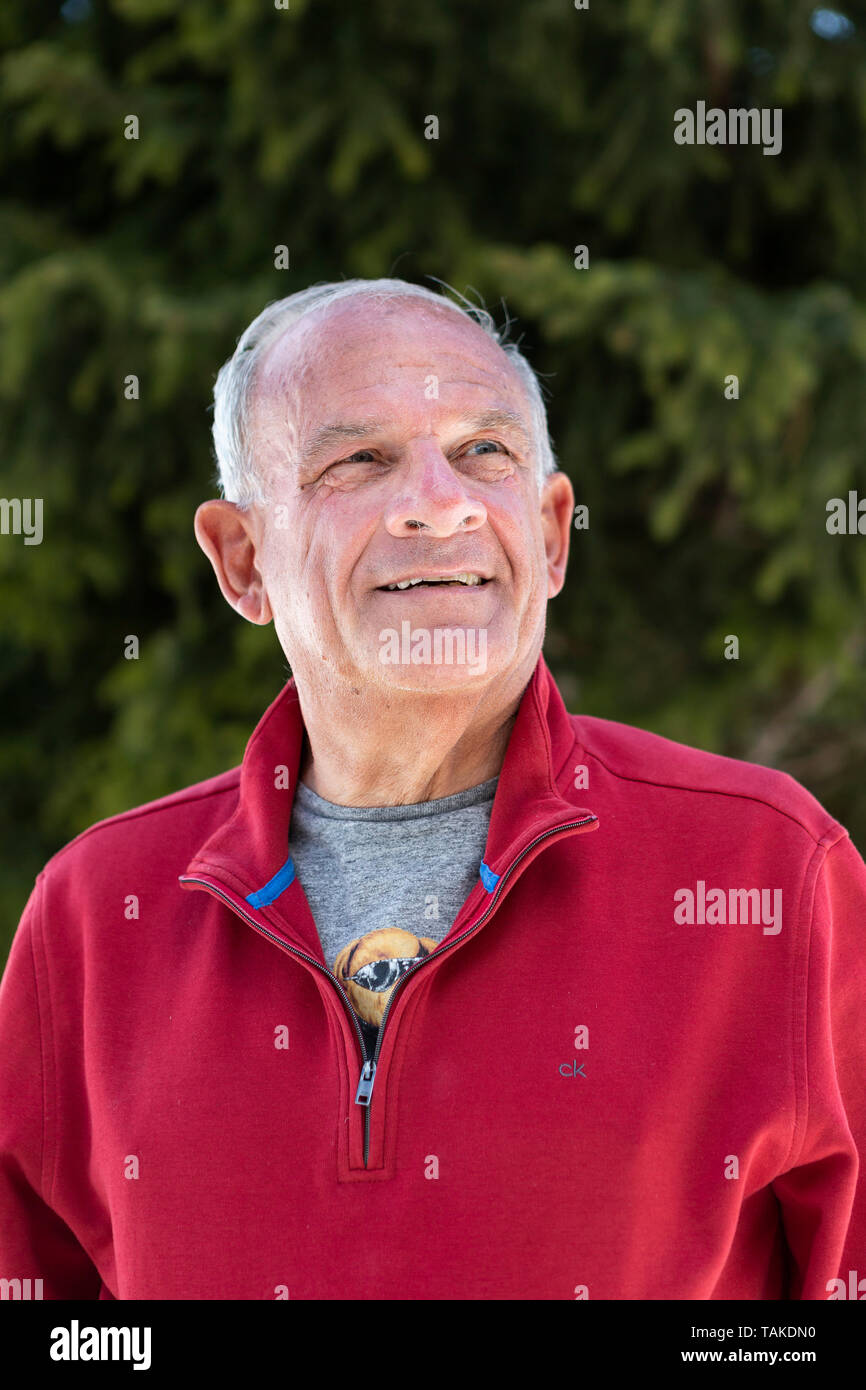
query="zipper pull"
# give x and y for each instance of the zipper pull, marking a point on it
(365, 1085)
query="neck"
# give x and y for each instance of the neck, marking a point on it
(366, 747)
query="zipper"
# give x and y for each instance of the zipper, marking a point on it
(291, 950)
(364, 1092)
(370, 1067)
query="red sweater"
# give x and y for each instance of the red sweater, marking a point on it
(579, 1093)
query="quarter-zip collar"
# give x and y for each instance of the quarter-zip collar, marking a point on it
(250, 851)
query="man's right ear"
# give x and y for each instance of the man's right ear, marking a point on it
(228, 535)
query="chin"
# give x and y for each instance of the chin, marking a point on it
(446, 657)
(433, 681)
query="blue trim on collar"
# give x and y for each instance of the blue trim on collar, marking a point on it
(274, 887)
(488, 877)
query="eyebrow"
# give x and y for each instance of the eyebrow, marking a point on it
(335, 434)
(497, 419)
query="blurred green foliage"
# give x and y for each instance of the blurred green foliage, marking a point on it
(261, 126)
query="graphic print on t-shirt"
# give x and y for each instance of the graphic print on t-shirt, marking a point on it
(371, 965)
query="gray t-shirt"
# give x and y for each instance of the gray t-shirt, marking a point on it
(385, 883)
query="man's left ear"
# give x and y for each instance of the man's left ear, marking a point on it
(228, 535)
(557, 510)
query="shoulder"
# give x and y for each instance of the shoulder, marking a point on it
(639, 758)
(168, 828)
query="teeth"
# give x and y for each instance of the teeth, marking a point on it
(465, 578)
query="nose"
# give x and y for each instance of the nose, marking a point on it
(431, 496)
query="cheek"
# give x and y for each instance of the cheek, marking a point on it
(522, 542)
(286, 583)
(279, 561)
(344, 533)
(306, 572)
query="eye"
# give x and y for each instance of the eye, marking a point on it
(362, 458)
(493, 443)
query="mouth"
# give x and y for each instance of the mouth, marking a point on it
(467, 579)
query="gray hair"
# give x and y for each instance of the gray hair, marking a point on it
(239, 479)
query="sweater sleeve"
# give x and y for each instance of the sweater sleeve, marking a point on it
(35, 1243)
(823, 1195)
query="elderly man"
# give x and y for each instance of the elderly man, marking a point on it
(444, 993)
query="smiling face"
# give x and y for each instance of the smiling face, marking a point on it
(395, 443)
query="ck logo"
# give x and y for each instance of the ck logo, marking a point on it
(572, 1069)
